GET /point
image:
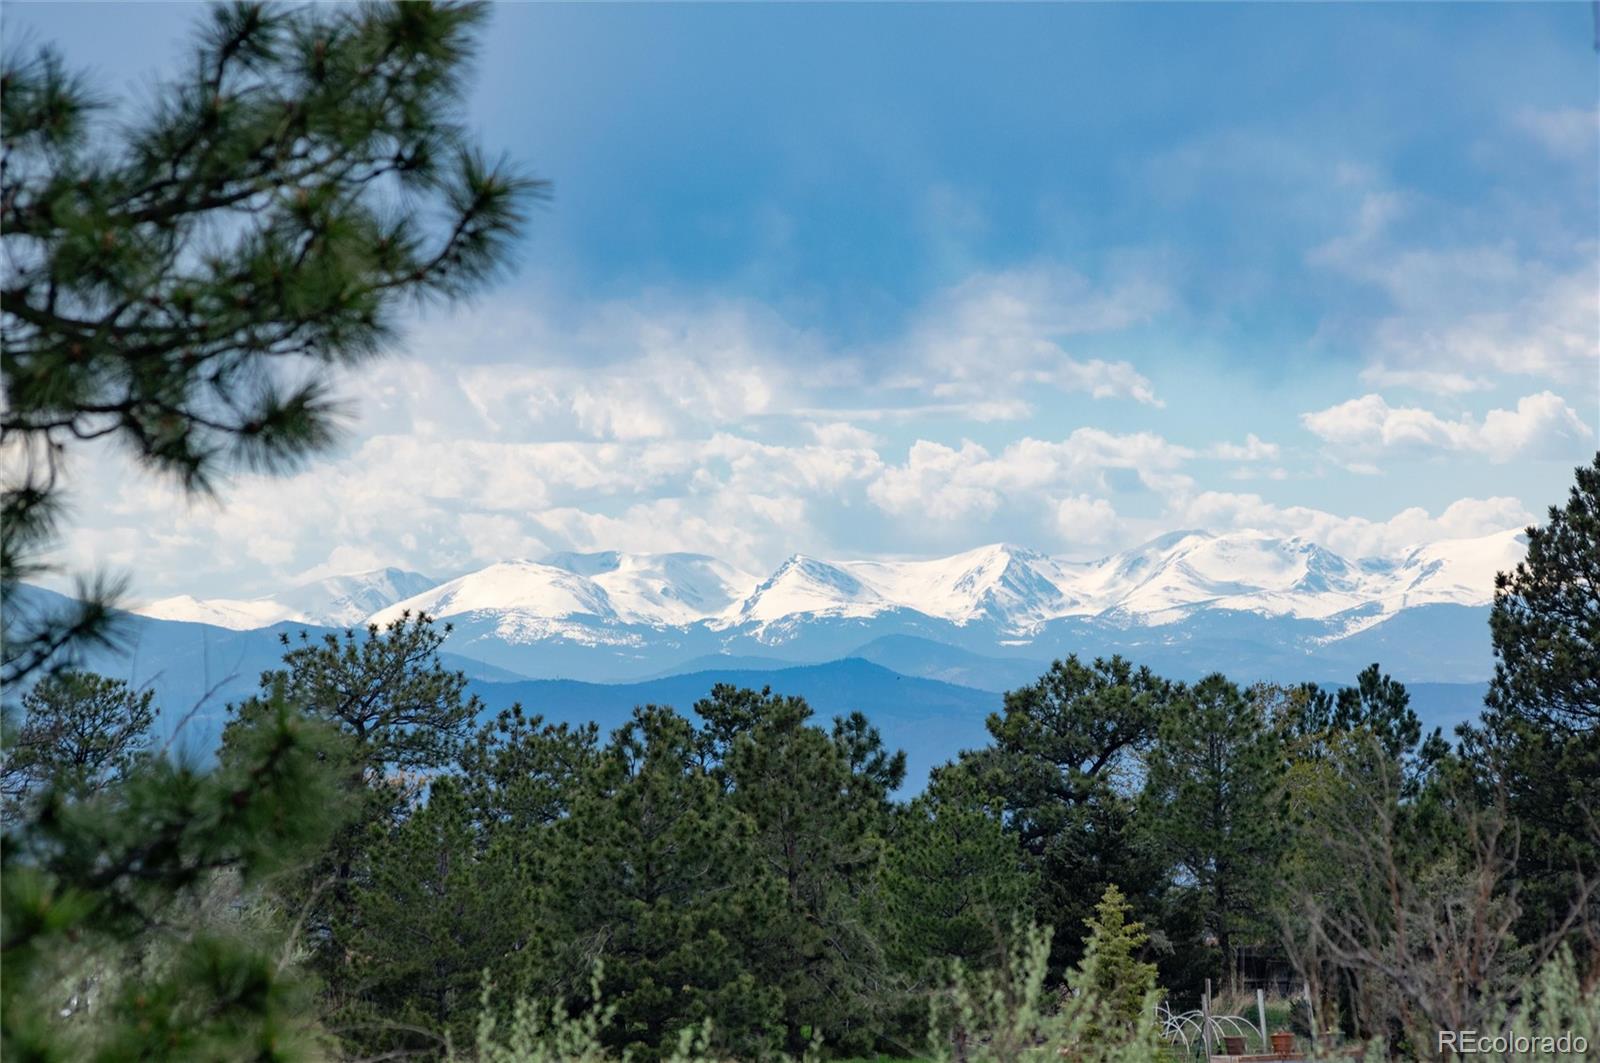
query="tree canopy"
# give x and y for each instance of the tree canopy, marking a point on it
(188, 282)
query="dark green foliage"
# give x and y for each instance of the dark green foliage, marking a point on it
(402, 718)
(1210, 807)
(659, 876)
(385, 689)
(519, 774)
(453, 891)
(76, 730)
(1538, 745)
(101, 885)
(817, 804)
(1546, 619)
(1377, 705)
(186, 281)
(427, 917)
(955, 884)
(1062, 768)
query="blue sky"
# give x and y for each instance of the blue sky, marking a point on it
(899, 280)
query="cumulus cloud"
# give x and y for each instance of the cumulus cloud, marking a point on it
(1252, 449)
(1541, 425)
(946, 483)
(1007, 329)
(939, 482)
(1458, 313)
(1350, 536)
(1086, 520)
(667, 423)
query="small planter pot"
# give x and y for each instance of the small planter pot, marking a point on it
(1282, 1042)
(1233, 1046)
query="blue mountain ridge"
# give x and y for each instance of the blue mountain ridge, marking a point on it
(927, 697)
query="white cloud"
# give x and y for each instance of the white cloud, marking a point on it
(1256, 472)
(1541, 425)
(1083, 519)
(1570, 132)
(1458, 313)
(939, 482)
(944, 483)
(1440, 382)
(1006, 330)
(1350, 536)
(841, 434)
(1252, 449)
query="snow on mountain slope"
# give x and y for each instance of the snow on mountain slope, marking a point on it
(1455, 571)
(345, 600)
(609, 597)
(1173, 576)
(1000, 582)
(232, 613)
(661, 589)
(526, 600)
(804, 585)
(339, 601)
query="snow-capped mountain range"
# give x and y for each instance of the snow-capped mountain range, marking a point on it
(646, 610)
(337, 602)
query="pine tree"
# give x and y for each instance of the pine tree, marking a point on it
(403, 717)
(451, 894)
(430, 916)
(1111, 974)
(385, 688)
(1061, 766)
(76, 730)
(955, 884)
(104, 955)
(817, 803)
(655, 874)
(186, 282)
(1538, 744)
(1546, 619)
(1210, 804)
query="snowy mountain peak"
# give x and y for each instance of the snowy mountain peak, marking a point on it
(803, 585)
(339, 601)
(660, 590)
(1456, 570)
(671, 589)
(233, 613)
(1010, 588)
(517, 588)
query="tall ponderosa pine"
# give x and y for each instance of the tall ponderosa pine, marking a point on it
(1210, 806)
(1061, 767)
(403, 717)
(655, 873)
(1377, 705)
(454, 892)
(386, 689)
(956, 882)
(1546, 619)
(187, 282)
(1539, 741)
(74, 730)
(817, 803)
